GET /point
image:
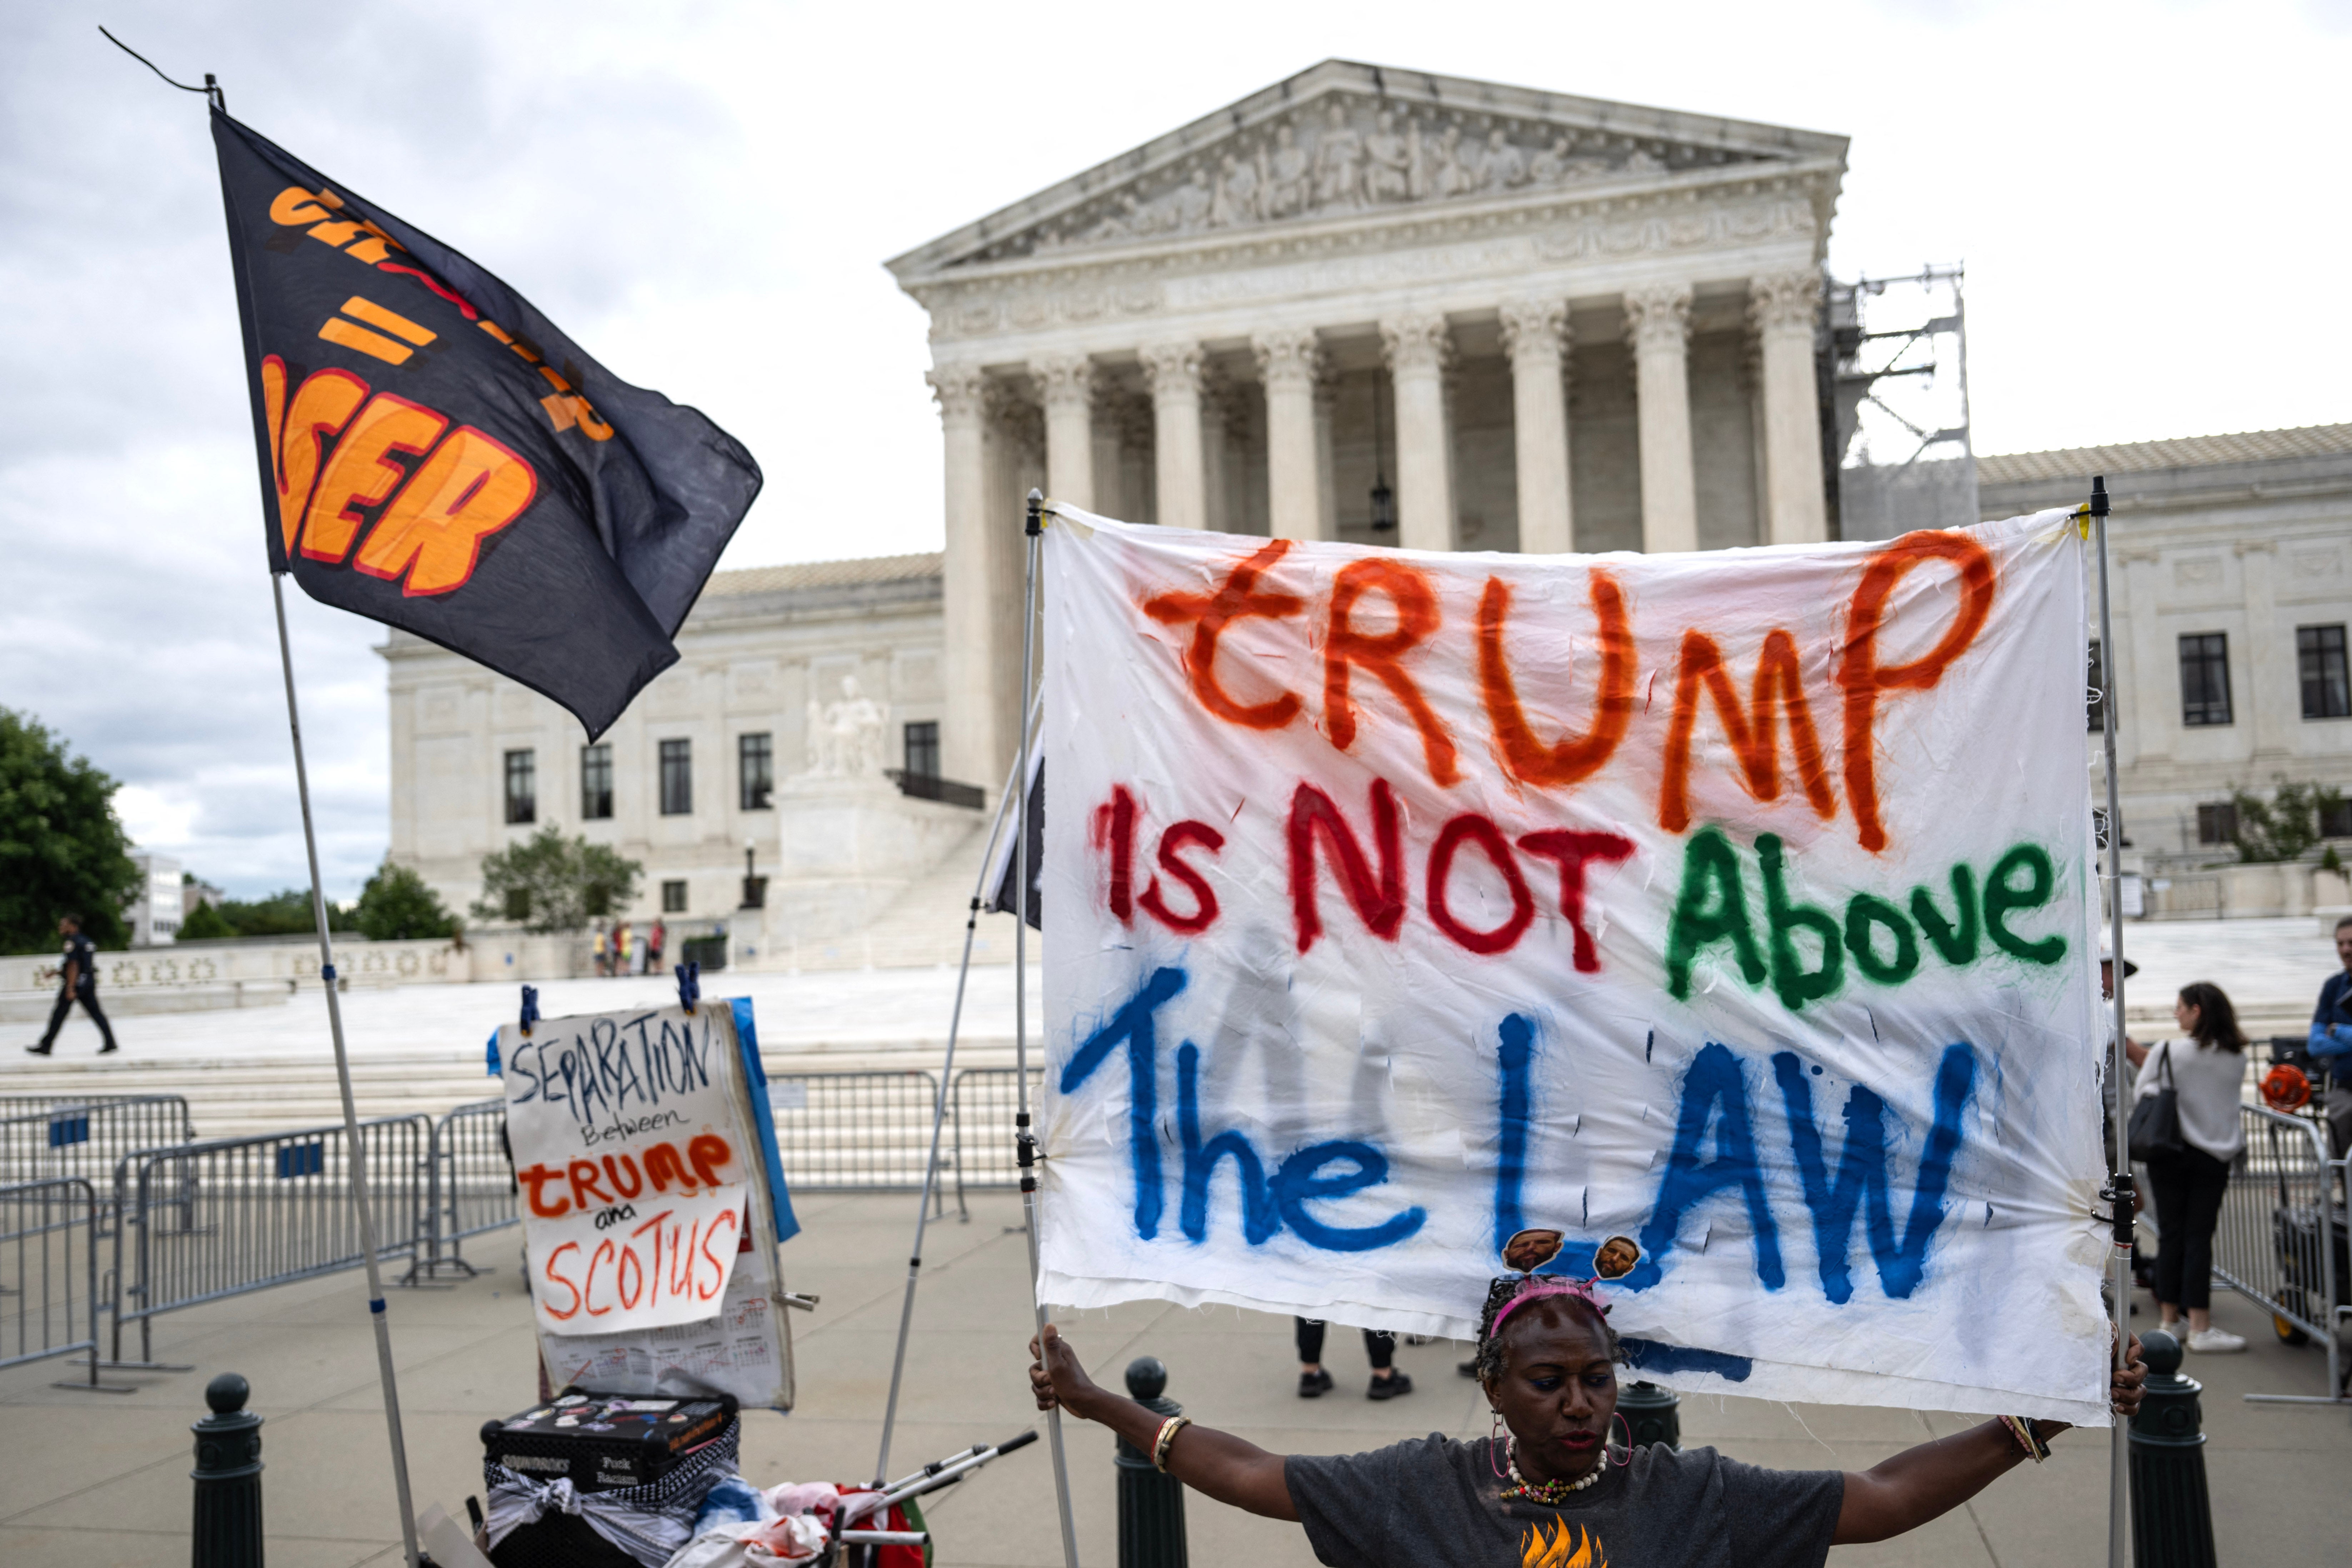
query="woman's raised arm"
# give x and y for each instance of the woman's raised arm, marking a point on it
(1216, 1464)
(1918, 1484)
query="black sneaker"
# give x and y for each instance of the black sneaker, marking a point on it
(1389, 1387)
(106, 1050)
(1313, 1384)
(36, 1051)
(1466, 1368)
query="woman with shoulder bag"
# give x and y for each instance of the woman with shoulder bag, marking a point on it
(2189, 1146)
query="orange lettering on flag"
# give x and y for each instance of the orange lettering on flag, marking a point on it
(1343, 645)
(363, 471)
(1573, 757)
(1239, 599)
(1755, 735)
(470, 487)
(1865, 677)
(321, 407)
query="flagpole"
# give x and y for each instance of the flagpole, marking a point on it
(2119, 1182)
(1024, 1142)
(354, 1156)
(1013, 788)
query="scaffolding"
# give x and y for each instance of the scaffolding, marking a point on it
(1894, 404)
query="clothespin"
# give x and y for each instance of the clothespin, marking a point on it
(689, 984)
(529, 1009)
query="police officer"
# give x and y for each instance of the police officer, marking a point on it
(78, 981)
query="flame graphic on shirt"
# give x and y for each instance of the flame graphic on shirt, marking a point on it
(1564, 1545)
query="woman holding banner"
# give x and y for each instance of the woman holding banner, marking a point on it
(1549, 1487)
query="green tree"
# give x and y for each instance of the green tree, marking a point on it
(205, 923)
(286, 912)
(2284, 827)
(396, 904)
(551, 883)
(62, 850)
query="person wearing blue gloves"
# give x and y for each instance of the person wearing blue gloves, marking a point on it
(2331, 1042)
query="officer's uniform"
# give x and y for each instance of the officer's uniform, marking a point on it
(81, 954)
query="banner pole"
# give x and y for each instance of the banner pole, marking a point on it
(1012, 788)
(1024, 1142)
(354, 1157)
(2119, 1184)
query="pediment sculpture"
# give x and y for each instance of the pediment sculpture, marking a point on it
(1349, 154)
(845, 737)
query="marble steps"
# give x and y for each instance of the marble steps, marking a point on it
(921, 928)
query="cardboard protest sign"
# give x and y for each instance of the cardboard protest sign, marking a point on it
(652, 1200)
(1729, 917)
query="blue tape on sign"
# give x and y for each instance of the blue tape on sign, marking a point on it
(496, 1071)
(376, 1305)
(300, 1159)
(747, 1039)
(68, 1130)
(325, 971)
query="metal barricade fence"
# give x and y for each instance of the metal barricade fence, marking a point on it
(853, 1132)
(49, 1296)
(469, 1187)
(986, 1101)
(218, 1219)
(2281, 1239)
(44, 1137)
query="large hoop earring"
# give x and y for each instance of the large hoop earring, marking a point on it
(1619, 1420)
(1494, 1448)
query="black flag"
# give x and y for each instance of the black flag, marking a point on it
(437, 456)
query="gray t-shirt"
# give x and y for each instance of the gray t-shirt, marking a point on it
(1437, 1503)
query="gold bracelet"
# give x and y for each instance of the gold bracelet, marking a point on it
(1168, 1430)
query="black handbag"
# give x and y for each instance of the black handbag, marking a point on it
(2154, 1129)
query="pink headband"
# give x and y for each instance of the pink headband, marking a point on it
(1538, 1287)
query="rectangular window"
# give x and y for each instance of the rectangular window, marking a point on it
(2217, 822)
(674, 897)
(678, 778)
(2094, 690)
(2205, 678)
(522, 787)
(2326, 690)
(518, 902)
(2335, 821)
(755, 759)
(923, 749)
(596, 782)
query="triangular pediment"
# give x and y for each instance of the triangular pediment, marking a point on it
(1345, 140)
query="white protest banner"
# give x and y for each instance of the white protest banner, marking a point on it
(652, 1200)
(1735, 904)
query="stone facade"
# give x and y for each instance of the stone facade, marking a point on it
(765, 653)
(1547, 322)
(2246, 537)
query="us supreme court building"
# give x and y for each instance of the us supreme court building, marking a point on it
(1364, 304)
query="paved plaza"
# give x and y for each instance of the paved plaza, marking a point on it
(101, 1480)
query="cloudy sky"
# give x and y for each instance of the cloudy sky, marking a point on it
(2149, 198)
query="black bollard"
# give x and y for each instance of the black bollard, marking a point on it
(228, 1479)
(1150, 1505)
(2172, 1513)
(1653, 1413)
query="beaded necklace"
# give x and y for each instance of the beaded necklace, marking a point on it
(1551, 1494)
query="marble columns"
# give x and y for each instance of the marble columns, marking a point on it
(981, 642)
(1535, 337)
(1784, 307)
(1288, 363)
(1067, 384)
(1173, 371)
(2270, 650)
(1657, 324)
(1420, 350)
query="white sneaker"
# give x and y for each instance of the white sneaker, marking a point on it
(2215, 1341)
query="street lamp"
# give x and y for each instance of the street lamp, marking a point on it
(755, 887)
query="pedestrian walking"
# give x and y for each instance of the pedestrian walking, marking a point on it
(2331, 1042)
(604, 952)
(2206, 1073)
(77, 981)
(623, 940)
(1379, 1348)
(655, 939)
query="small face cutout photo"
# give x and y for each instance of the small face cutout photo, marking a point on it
(1530, 1250)
(1616, 1257)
